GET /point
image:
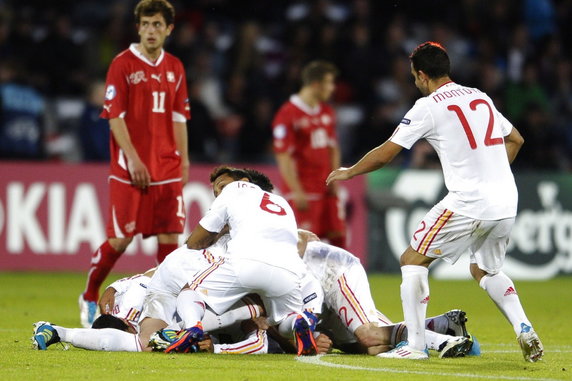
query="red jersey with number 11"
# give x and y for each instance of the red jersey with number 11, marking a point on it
(149, 96)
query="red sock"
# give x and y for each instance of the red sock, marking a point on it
(164, 249)
(102, 262)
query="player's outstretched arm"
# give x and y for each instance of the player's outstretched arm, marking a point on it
(513, 142)
(374, 159)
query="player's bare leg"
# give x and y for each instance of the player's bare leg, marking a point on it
(502, 291)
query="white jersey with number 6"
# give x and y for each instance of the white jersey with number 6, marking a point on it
(262, 225)
(467, 131)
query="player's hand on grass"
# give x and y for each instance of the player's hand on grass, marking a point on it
(139, 174)
(107, 301)
(300, 200)
(324, 343)
(339, 174)
(206, 345)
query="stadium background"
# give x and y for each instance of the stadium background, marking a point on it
(243, 59)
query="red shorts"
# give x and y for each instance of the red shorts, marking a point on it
(325, 216)
(155, 210)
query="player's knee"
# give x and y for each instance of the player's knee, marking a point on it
(120, 244)
(477, 273)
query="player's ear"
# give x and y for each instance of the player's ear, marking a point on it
(170, 28)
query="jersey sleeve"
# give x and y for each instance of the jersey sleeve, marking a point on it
(181, 106)
(415, 125)
(283, 131)
(505, 125)
(121, 285)
(217, 216)
(116, 91)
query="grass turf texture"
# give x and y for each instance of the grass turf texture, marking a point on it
(29, 297)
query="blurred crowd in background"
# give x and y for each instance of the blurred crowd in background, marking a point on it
(243, 59)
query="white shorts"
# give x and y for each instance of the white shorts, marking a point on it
(447, 235)
(312, 294)
(171, 276)
(226, 281)
(351, 299)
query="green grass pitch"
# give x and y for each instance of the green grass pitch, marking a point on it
(29, 297)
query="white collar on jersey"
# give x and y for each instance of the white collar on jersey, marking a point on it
(298, 102)
(138, 54)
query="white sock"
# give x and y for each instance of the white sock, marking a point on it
(414, 298)
(434, 339)
(502, 291)
(105, 339)
(240, 312)
(190, 307)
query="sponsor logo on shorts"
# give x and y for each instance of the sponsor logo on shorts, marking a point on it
(310, 297)
(405, 121)
(425, 301)
(437, 251)
(130, 227)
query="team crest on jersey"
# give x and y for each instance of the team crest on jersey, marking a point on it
(138, 76)
(326, 119)
(110, 92)
(170, 76)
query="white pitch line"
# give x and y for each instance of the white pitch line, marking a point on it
(317, 360)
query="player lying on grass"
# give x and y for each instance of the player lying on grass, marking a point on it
(350, 317)
(124, 300)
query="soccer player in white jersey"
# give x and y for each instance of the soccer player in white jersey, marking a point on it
(119, 328)
(261, 257)
(351, 312)
(476, 145)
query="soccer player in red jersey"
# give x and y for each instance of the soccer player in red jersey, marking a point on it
(147, 106)
(306, 149)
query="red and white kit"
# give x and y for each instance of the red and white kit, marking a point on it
(150, 97)
(467, 132)
(308, 135)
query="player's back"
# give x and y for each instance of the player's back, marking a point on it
(328, 262)
(468, 136)
(262, 224)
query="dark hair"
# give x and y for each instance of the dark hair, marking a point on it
(109, 321)
(315, 71)
(233, 173)
(260, 179)
(432, 59)
(151, 7)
